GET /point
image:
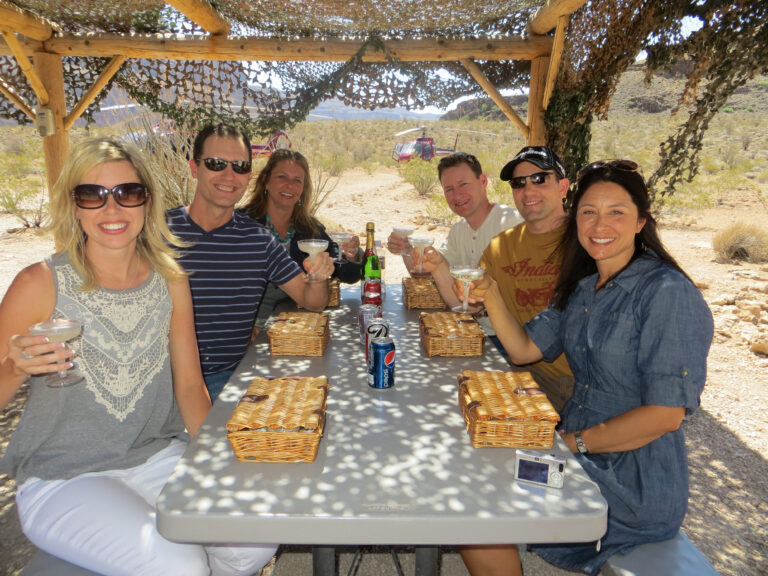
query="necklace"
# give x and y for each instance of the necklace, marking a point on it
(276, 234)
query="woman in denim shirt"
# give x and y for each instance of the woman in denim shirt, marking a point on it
(636, 333)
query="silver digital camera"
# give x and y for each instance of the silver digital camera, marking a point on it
(541, 469)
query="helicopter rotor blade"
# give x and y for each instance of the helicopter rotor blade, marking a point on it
(410, 130)
(476, 132)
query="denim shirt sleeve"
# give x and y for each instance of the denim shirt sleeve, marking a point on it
(545, 330)
(676, 330)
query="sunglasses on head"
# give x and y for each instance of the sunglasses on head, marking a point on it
(536, 179)
(219, 164)
(623, 165)
(92, 196)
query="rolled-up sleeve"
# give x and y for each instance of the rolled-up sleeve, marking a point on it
(676, 330)
(545, 330)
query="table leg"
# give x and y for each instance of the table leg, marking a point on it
(323, 561)
(426, 560)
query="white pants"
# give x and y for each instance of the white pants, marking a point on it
(105, 522)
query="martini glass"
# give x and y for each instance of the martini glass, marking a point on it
(313, 247)
(60, 330)
(420, 243)
(340, 237)
(404, 233)
(466, 274)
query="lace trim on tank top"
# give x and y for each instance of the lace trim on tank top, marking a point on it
(124, 344)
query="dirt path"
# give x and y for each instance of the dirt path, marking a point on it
(727, 437)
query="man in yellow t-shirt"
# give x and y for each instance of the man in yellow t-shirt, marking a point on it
(523, 260)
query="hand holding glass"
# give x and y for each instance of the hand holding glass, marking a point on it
(466, 274)
(420, 243)
(403, 233)
(340, 238)
(313, 247)
(60, 330)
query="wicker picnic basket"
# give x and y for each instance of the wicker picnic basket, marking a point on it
(299, 334)
(450, 334)
(279, 420)
(506, 409)
(334, 292)
(421, 293)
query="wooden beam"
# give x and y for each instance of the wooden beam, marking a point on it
(106, 75)
(202, 14)
(537, 134)
(554, 60)
(28, 45)
(55, 146)
(547, 16)
(14, 19)
(181, 47)
(495, 95)
(26, 67)
(10, 93)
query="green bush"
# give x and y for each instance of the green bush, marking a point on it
(23, 191)
(421, 175)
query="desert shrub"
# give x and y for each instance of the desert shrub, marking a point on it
(741, 241)
(23, 191)
(421, 175)
(438, 211)
(500, 192)
(323, 183)
(167, 148)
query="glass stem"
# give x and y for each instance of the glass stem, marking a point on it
(466, 295)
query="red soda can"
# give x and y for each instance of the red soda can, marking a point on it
(376, 328)
(372, 291)
(364, 314)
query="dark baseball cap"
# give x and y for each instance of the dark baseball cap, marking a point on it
(541, 156)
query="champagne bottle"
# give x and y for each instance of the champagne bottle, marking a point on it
(371, 266)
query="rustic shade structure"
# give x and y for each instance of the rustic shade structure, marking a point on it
(197, 61)
(266, 64)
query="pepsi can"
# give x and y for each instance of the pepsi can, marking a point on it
(364, 315)
(381, 366)
(376, 328)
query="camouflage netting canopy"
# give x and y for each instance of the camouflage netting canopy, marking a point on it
(724, 43)
(198, 91)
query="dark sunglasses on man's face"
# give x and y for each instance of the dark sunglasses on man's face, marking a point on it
(92, 196)
(536, 179)
(219, 164)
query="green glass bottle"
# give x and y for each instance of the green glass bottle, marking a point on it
(371, 265)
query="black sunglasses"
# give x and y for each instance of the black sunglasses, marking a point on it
(219, 164)
(92, 196)
(623, 165)
(536, 179)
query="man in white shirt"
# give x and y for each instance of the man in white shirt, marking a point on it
(464, 185)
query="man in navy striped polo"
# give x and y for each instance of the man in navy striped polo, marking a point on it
(230, 257)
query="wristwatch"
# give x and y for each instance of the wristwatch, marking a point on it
(580, 443)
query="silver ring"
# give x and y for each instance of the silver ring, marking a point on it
(26, 356)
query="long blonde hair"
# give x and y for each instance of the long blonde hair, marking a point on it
(256, 207)
(155, 242)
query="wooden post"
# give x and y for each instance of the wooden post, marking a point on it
(56, 146)
(554, 60)
(537, 133)
(495, 95)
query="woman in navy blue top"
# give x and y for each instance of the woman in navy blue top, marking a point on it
(281, 201)
(636, 333)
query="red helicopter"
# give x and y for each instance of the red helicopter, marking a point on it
(277, 141)
(423, 147)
